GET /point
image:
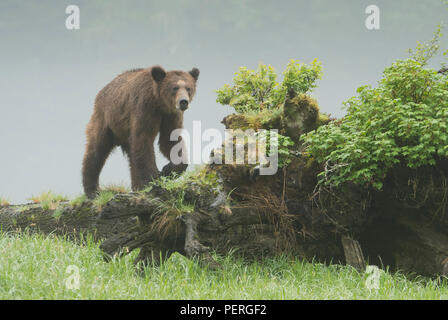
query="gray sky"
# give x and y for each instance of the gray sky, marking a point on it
(50, 75)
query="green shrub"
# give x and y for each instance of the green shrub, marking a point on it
(283, 145)
(257, 90)
(402, 121)
(301, 77)
(259, 99)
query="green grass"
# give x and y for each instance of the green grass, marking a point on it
(102, 198)
(4, 202)
(35, 266)
(48, 200)
(116, 188)
(79, 200)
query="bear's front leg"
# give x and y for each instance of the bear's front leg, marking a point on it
(173, 148)
(180, 153)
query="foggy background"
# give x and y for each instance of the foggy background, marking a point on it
(49, 75)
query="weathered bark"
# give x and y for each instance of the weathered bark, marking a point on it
(353, 253)
(410, 241)
(33, 217)
(129, 221)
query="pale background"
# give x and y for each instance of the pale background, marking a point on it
(49, 76)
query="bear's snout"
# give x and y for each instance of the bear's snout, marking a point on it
(183, 104)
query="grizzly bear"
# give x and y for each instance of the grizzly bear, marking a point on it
(129, 112)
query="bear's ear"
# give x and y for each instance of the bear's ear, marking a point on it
(158, 73)
(195, 73)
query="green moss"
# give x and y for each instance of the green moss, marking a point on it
(116, 188)
(202, 176)
(47, 204)
(48, 196)
(205, 177)
(102, 198)
(78, 201)
(21, 209)
(4, 202)
(305, 101)
(322, 119)
(299, 114)
(58, 213)
(48, 200)
(264, 119)
(106, 194)
(180, 193)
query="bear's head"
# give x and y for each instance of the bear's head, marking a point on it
(176, 88)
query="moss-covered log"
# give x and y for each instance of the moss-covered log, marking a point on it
(228, 207)
(257, 222)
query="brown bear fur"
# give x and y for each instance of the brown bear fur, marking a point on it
(129, 112)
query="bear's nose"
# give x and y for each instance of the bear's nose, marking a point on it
(183, 104)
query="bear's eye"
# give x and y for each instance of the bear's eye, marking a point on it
(175, 88)
(189, 90)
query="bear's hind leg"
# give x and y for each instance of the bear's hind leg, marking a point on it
(142, 160)
(99, 146)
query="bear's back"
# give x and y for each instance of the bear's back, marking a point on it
(115, 103)
(121, 84)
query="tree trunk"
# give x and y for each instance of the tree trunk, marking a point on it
(353, 253)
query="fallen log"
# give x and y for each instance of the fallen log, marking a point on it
(256, 223)
(135, 220)
(229, 208)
